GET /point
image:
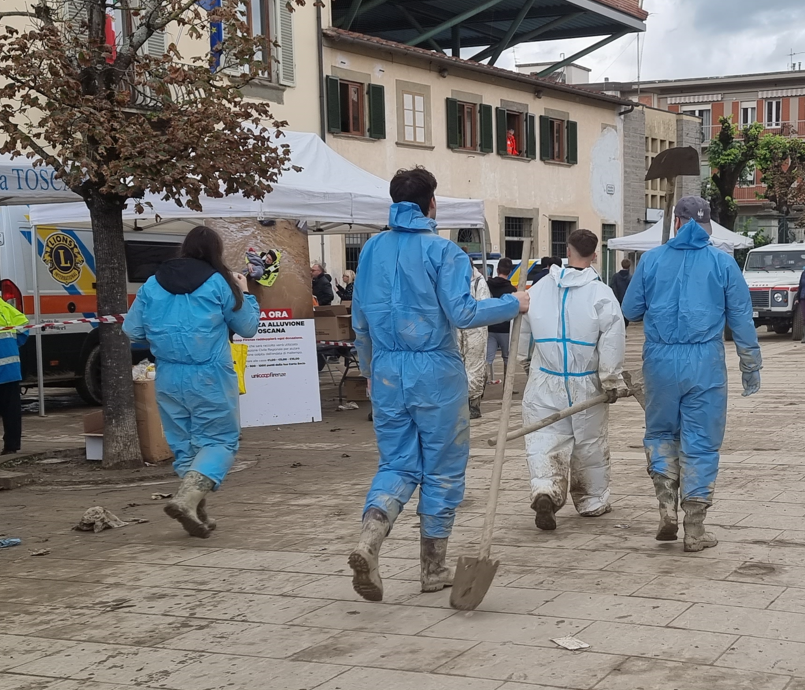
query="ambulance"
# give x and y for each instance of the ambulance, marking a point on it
(63, 267)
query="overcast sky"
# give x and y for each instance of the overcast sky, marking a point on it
(691, 38)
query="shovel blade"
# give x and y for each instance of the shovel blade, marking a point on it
(472, 581)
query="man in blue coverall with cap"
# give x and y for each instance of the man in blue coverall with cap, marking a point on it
(411, 294)
(684, 291)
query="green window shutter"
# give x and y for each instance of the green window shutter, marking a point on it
(487, 133)
(544, 138)
(452, 124)
(572, 142)
(333, 104)
(531, 136)
(500, 118)
(377, 111)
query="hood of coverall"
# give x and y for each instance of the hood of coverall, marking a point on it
(183, 276)
(690, 236)
(566, 277)
(406, 216)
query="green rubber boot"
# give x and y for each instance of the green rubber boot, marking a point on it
(435, 575)
(667, 491)
(365, 559)
(184, 505)
(696, 538)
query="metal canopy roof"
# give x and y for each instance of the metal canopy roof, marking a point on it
(496, 24)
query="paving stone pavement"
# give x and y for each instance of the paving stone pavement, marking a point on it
(266, 602)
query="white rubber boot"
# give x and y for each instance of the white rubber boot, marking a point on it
(696, 538)
(184, 505)
(365, 559)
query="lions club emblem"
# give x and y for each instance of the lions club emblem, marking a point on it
(63, 258)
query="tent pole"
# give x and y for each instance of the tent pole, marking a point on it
(484, 229)
(40, 374)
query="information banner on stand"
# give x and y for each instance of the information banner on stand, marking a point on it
(282, 376)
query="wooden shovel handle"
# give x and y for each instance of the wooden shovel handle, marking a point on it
(505, 410)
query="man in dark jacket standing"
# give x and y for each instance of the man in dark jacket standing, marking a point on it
(322, 287)
(620, 282)
(498, 334)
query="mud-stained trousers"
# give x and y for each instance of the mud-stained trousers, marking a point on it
(573, 452)
(422, 423)
(686, 412)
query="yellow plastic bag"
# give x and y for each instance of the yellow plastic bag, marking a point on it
(239, 353)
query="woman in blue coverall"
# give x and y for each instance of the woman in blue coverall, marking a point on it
(185, 313)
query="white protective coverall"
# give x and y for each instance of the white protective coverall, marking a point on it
(472, 342)
(579, 340)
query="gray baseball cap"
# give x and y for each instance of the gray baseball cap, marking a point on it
(695, 208)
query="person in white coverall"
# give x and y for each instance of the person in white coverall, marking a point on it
(579, 340)
(472, 345)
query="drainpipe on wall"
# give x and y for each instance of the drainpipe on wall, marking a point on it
(322, 109)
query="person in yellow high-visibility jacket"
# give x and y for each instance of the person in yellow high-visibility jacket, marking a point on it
(10, 376)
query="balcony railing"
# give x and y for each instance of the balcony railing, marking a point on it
(748, 195)
(793, 128)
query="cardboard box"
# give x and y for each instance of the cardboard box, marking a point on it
(93, 435)
(153, 445)
(333, 323)
(354, 388)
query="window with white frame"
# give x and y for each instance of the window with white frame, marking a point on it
(413, 117)
(271, 23)
(748, 113)
(706, 116)
(774, 113)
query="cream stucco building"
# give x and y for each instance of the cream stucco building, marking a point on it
(389, 104)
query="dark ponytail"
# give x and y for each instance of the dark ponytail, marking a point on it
(205, 244)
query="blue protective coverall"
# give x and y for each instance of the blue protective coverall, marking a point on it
(684, 291)
(412, 292)
(185, 313)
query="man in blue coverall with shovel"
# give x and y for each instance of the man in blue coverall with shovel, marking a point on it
(411, 294)
(685, 291)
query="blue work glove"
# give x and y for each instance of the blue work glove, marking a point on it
(751, 382)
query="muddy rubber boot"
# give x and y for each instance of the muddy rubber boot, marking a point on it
(475, 408)
(204, 516)
(365, 559)
(545, 519)
(184, 505)
(667, 490)
(435, 575)
(696, 539)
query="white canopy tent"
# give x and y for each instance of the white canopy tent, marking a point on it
(328, 190)
(722, 238)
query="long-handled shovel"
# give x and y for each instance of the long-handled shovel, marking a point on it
(634, 388)
(474, 575)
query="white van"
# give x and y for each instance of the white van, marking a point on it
(772, 274)
(65, 272)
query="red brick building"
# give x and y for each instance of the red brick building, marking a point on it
(775, 99)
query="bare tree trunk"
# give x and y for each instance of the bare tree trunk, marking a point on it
(121, 448)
